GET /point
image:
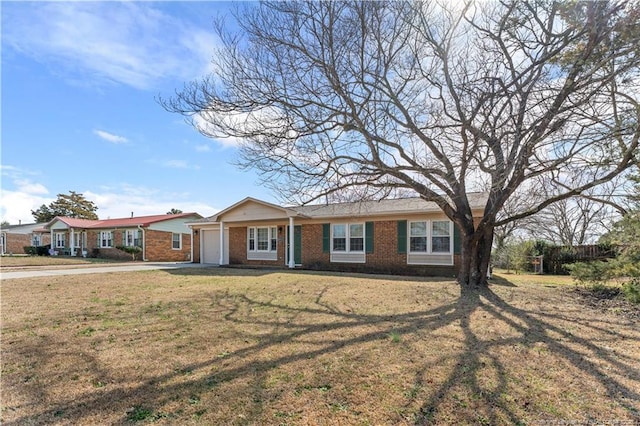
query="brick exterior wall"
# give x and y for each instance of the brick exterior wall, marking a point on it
(238, 248)
(15, 243)
(312, 255)
(384, 259)
(158, 247)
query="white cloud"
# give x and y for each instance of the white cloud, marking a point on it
(113, 202)
(121, 201)
(205, 128)
(16, 204)
(110, 137)
(203, 148)
(131, 43)
(32, 188)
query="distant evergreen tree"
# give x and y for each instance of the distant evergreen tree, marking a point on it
(42, 214)
(70, 205)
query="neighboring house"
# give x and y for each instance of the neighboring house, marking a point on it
(159, 238)
(396, 236)
(14, 238)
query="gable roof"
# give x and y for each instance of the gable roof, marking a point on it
(249, 200)
(73, 222)
(392, 206)
(126, 222)
(26, 228)
(385, 207)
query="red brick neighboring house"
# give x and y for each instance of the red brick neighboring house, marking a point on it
(14, 238)
(163, 238)
(402, 236)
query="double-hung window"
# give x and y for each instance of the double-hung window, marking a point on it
(430, 237)
(106, 239)
(418, 237)
(176, 241)
(263, 239)
(59, 239)
(441, 236)
(35, 240)
(339, 238)
(131, 238)
(348, 237)
(77, 240)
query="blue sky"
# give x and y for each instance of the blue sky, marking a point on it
(79, 110)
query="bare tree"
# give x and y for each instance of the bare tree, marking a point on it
(331, 97)
(577, 220)
(572, 221)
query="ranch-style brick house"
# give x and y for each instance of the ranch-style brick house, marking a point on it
(14, 238)
(160, 238)
(402, 236)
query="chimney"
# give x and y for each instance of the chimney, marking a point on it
(19, 221)
(131, 215)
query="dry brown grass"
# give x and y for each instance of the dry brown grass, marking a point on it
(8, 263)
(224, 346)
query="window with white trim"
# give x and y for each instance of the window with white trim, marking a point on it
(418, 237)
(347, 238)
(430, 237)
(77, 239)
(441, 236)
(35, 240)
(176, 241)
(106, 239)
(131, 238)
(59, 237)
(264, 239)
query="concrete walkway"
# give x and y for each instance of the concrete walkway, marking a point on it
(98, 269)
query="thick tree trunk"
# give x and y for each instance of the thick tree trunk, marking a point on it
(475, 256)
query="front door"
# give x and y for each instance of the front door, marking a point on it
(297, 244)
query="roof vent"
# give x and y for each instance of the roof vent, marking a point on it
(131, 215)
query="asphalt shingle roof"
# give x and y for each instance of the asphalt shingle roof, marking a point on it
(120, 222)
(382, 207)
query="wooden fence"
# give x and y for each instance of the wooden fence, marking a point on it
(557, 256)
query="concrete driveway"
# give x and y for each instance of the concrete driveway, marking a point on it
(52, 272)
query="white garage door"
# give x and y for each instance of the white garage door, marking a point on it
(211, 246)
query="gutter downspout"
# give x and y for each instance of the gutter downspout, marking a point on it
(144, 244)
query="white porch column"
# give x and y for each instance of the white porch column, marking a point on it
(221, 261)
(53, 242)
(292, 262)
(191, 252)
(72, 245)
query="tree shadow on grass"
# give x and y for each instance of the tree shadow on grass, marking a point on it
(477, 388)
(532, 329)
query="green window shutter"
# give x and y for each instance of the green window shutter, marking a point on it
(124, 238)
(326, 237)
(402, 236)
(368, 232)
(456, 239)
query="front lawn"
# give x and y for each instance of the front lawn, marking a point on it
(22, 261)
(231, 346)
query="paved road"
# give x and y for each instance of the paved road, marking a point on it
(97, 270)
